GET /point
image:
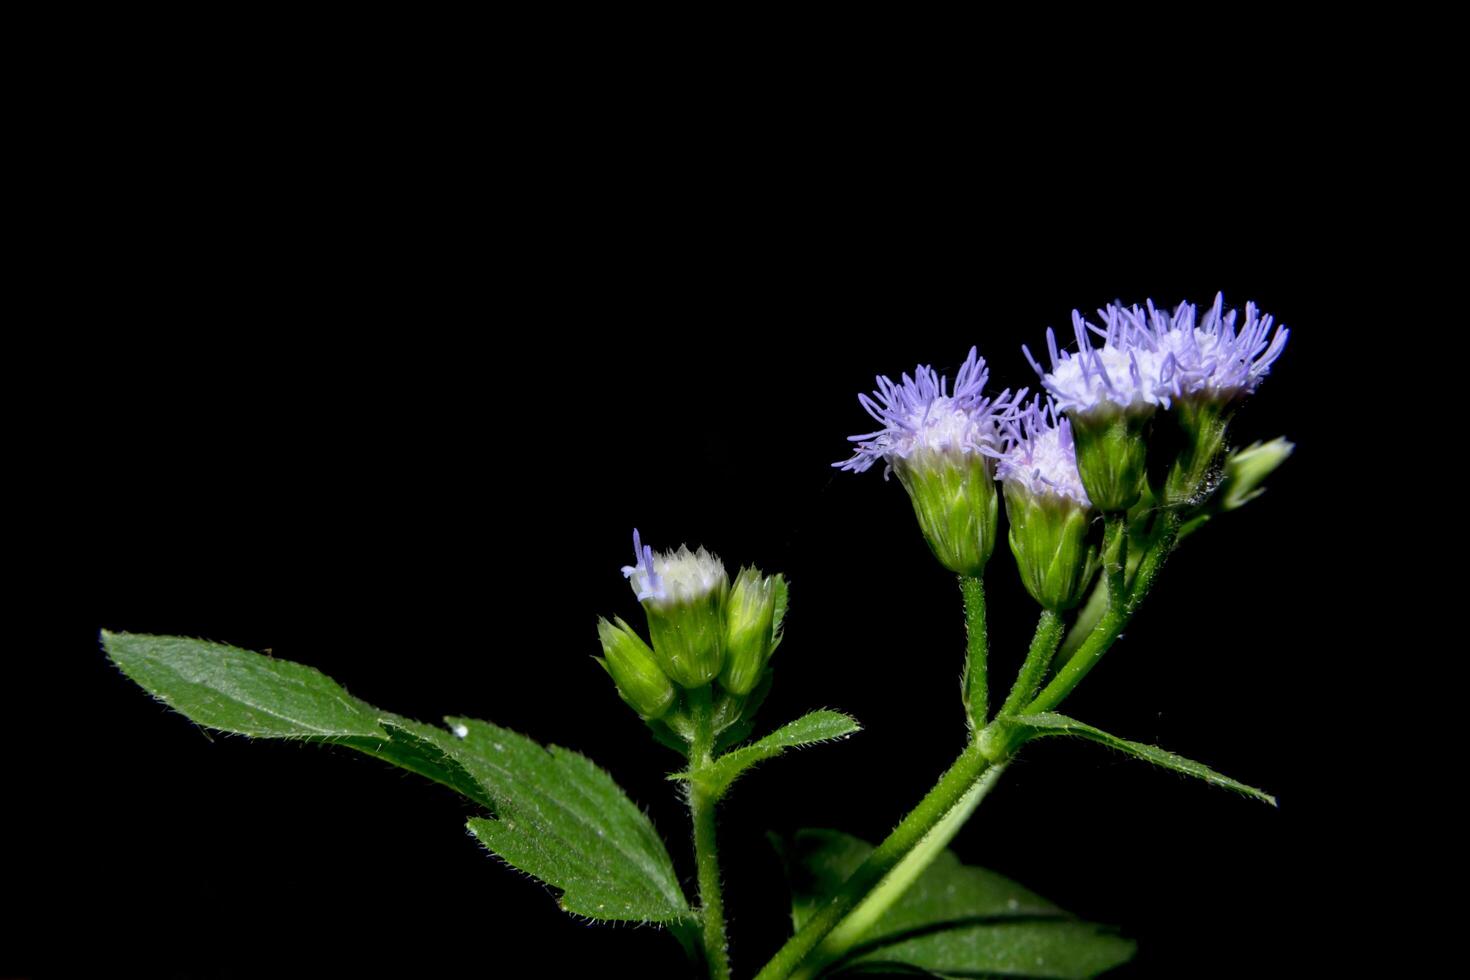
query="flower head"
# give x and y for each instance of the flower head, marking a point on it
(683, 594)
(1149, 358)
(1210, 358)
(1049, 510)
(1122, 372)
(1039, 453)
(939, 441)
(924, 415)
(674, 576)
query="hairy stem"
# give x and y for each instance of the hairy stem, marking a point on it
(976, 686)
(1122, 603)
(706, 848)
(888, 871)
(1043, 645)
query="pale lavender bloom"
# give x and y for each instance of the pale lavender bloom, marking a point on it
(673, 576)
(1212, 358)
(1123, 371)
(1150, 358)
(1039, 454)
(923, 413)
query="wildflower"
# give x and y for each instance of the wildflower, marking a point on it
(683, 594)
(936, 439)
(1207, 366)
(1209, 360)
(1109, 392)
(1047, 507)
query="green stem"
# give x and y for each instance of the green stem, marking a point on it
(1122, 603)
(929, 827)
(1115, 557)
(706, 848)
(976, 684)
(1043, 645)
(1088, 616)
(888, 871)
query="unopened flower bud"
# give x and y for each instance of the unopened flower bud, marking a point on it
(634, 669)
(1246, 469)
(1207, 368)
(752, 628)
(683, 594)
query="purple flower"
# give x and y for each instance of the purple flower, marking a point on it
(1211, 358)
(923, 415)
(1039, 453)
(674, 576)
(1149, 358)
(1123, 371)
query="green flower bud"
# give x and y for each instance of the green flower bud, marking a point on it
(683, 594)
(955, 501)
(634, 669)
(1048, 536)
(751, 628)
(1246, 469)
(1111, 453)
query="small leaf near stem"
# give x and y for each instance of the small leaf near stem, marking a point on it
(809, 729)
(1050, 723)
(702, 800)
(975, 685)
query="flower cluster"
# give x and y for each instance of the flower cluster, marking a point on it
(1081, 449)
(1148, 358)
(706, 635)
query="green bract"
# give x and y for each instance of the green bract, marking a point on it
(1204, 421)
(1049, 538)
(955, 501)
(689, 635)
(1111, 453)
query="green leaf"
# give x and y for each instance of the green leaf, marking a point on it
(557, 816)
(809, 729)
(955, 921)
(1051, 723)
(564, 820)
(233, 690)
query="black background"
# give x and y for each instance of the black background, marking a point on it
(394, 412)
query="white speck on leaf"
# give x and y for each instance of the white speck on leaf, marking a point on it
(461, 731)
